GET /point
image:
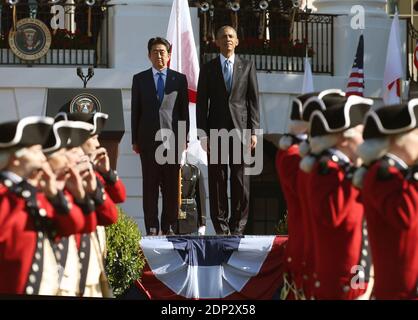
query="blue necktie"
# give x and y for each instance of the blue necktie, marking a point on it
(228, 75)
(160, 87)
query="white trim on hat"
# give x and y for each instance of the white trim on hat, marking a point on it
(351, 102)
(324, 93)
(95, 117)
(61, 114)
(312, 99)
(411, 105)
(21, 125)
(319, 98)
(299, 103)
(68, 124)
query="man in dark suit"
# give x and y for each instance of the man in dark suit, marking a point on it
(159, 101)
(227, 98)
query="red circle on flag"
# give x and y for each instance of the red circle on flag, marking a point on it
(415, 56)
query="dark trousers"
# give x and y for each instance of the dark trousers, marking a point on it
(155, 176)
(218, 194)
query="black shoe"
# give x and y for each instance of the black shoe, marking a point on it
(152, 232)
(224, 233)
(170, 232)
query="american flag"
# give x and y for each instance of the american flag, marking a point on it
(355, 86)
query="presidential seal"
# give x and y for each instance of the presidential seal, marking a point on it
(31, 39)
(85, 103)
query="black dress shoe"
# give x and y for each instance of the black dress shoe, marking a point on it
(170, 232)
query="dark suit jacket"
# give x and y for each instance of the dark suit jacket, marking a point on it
(215, 109)
(145, 117)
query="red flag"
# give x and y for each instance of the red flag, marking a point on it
(416, 55)
(183, 50)
(184, 59)
(393, 68)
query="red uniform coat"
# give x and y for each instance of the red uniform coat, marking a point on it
(115, 189)
(21, 236)
(308, 263)
(105, 214)
(338, 214)
(391, 203)
(287, 167)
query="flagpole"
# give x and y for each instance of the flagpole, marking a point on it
(400, 79)
(400, 89)
(179, 66)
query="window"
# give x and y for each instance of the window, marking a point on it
(405, 10)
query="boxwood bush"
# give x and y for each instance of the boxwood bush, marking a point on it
(124, 260)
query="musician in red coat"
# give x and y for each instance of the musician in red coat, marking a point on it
(105, 188)
(291, 180)
(390, 195)
(335, 203)
(321, 102)
(69, 134)
(29, 220)
(98, 155)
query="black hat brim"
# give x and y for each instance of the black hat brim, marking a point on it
(391, 120)
(26, 132)
(322, 101)
(98, 119)
(67, 134)
(340, 117)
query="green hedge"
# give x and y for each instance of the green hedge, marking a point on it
(124, 260)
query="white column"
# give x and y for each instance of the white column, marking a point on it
(372, 7)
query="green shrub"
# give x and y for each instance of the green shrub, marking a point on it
(124, 261)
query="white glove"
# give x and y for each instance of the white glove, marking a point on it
(202, 230)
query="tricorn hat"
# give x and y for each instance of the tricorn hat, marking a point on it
(297, 105)
(322, 101)
(98, 119)
(391, 119)
(339, 117)
(26, 132)
(67, 134)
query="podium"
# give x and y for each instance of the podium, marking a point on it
(90, 101)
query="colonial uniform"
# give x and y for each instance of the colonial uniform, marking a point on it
(69, 134)
(28, 221)
(92, 253)
(293, 182)
(308, 277)
(391, 201)
(287, 168)
(336, 208)
(92, 246)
